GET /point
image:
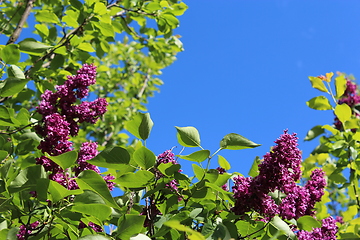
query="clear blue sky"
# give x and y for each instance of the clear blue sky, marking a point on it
(245, 69)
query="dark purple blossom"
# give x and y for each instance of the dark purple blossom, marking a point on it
(109, 183)
(279, 171)
(327, 231)
(26, 230)
(88, 150)
(61, 118)
(281, 167)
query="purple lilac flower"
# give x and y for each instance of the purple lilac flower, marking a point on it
(88, 150)
(315, 186)
(109, 183)
(26, 230)
(351, 98)
(168, 157)
(249, 196)
(327, 231)
(61, 118)
(281, 167)
(279, 171)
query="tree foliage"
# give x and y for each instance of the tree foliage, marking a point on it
(64, 139)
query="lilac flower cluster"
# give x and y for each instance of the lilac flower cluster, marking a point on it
(61, 118)
(26, 230)
(327, 231)
(167, 157)
(279, 171)
(351, 98)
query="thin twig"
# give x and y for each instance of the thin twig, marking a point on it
(142, 90)
(22, 21)
(18, 129)
(8, 22)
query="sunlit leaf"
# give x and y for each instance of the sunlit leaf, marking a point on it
(65, 160)
(90, 180)
(144, 158)
(223, 163)
(318, 83)
(314, 132)
(198, 156)
(113, 157)
(234, 141)
(319, 103)
(188, 136)
(340, 85)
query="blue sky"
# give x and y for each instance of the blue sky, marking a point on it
(245, 70)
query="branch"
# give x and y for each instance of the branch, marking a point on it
(22, 21)
(18, 129)
(11, 18)
(141, 92)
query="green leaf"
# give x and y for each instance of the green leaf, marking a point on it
(171, 20)
(318, 84)
(168, 169)
(343, 112)
(32, 47)
(3, 154)
(198, 156)
(59, 192)
(198, 172)
(223, 163)
(90, 180)
(129, 225)
(105, 29)
(27, 178)
(319, 103)
(144, 158)
(235, 141)
(23, 116)
(10, 54)
(340, 85)
(47, 16)
(12, 86)
(282, 226)
(85, 46)
(100, 8)
(139, 179)
(140, 126)
(254, 170)
(334, 131)
(100, 211)
(15, 71)
(193, 235)
(94, 237)
(307, 223)
(65, 160)
(314, 132)
(113, 157)
(188, 136)
(5, 117)
(89, 197)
